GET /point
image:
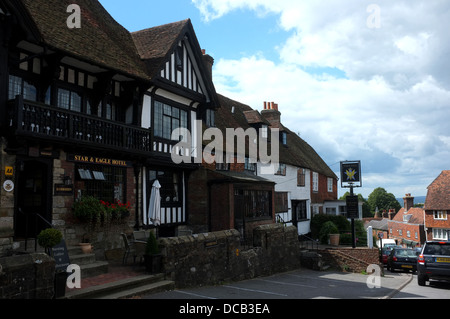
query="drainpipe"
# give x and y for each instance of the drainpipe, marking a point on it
(137, 170)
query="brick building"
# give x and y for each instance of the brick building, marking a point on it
(407, 225)
(437, 208)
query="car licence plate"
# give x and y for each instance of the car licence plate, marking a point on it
(406, 266)
(442, 260)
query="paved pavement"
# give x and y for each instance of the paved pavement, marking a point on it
(299, 284)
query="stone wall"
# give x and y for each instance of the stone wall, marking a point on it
(6, 203)
(27, 276)
(214, 258)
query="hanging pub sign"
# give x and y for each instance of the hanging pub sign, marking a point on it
(351, 174)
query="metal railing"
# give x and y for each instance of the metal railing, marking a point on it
(306, 241)
(57, 124)
(37, 218)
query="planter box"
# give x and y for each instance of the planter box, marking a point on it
(334, 239)
(153, 263)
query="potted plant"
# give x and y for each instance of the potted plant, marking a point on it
(49, 238)
(88, 210)
(329, 234)
(152, 256)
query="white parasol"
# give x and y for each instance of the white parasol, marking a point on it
(154, 207)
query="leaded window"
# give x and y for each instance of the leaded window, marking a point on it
(168, 118)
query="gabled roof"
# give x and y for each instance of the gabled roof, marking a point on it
(438, 196)
(298, 153)
(155, 44)
(100, 40)
(415, 215)
(378, 224)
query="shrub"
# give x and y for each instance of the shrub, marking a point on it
(87, 209)
(152, 247)
(319, 220)
(327, 229)
(49, 237)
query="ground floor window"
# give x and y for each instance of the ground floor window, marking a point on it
(171, 186)
(441, 234)
(300, 210)
(254, 203)
(107, 183)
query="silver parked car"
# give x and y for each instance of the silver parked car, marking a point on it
(434, 262)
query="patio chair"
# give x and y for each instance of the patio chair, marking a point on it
(140, 235)
(129, 248)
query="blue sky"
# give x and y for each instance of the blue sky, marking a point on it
(240, 34)
(357, 79)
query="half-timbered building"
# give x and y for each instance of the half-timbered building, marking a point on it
(182, 95)
(88, 108)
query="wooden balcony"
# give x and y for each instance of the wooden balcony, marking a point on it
(42, 122)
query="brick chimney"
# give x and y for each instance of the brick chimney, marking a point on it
(391, 214)
(408, 201)
(271, 113)
(208, 61)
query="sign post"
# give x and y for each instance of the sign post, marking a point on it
(351, 177)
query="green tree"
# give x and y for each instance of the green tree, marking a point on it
(383, 200)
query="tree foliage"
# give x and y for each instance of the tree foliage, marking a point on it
(382, 200)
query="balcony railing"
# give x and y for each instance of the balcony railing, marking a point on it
(56, 124)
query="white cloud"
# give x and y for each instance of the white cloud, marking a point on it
(392, 109)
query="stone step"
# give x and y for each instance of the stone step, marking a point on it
(160, 286)
(94, 269)
(125, 288)
(82, 259)
(89, 266)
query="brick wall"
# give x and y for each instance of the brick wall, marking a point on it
(351, 259)
(400, 231)
(323, 194)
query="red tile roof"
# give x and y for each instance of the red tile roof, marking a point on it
(416, 213)
(438, 197)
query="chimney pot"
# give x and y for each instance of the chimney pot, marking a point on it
(408, 202)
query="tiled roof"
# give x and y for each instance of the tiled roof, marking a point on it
(154, 44)
(378, 224)
(438, 196)
(100, 40)
(297, 153)
(416, 213)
